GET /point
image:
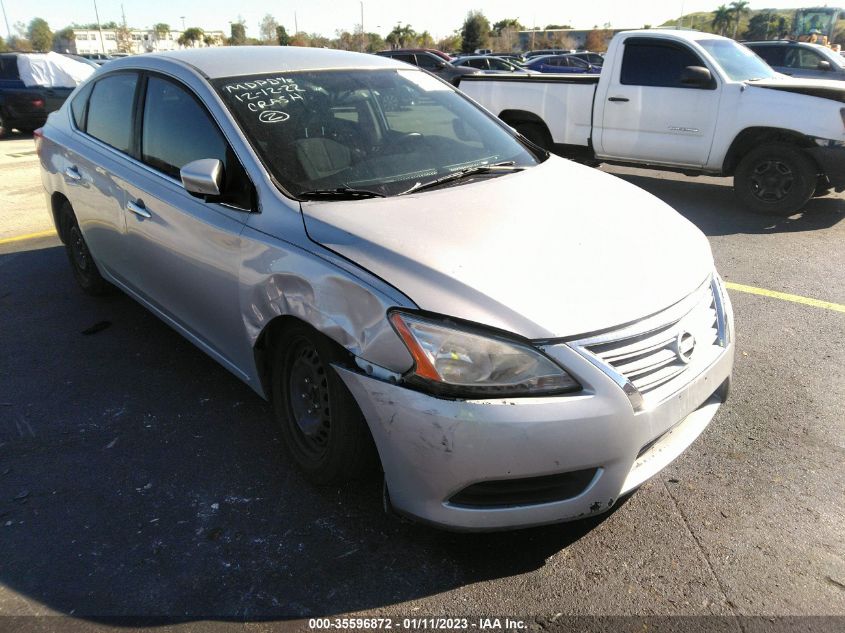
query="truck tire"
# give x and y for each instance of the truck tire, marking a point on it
(775, 178)
(535, 133)
(4, 131)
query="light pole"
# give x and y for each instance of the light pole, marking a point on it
(182, 17)
(362, 26)
(99, 28)
(8, 30)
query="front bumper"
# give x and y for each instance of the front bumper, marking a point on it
(830, 157)
(433, 448)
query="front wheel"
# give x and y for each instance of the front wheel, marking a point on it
(321, 424)
(775, 178)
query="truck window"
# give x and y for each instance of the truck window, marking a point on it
(9, 67)
(772, 55)
(655, 63)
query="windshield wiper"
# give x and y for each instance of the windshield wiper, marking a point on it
(508, 165)
(340, 193)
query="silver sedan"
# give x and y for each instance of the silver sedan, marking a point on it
(512, 338)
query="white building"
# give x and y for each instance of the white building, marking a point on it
(141, 41)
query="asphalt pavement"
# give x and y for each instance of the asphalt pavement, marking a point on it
(138, 478)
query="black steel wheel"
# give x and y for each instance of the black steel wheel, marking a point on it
(81, 262)
(321, 425)
(775, 178)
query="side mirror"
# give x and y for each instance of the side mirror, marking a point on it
(824, 65)
(203, 177)
(442, 65)
(696, 77)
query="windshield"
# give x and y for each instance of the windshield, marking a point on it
(380, 131)
(739, 62)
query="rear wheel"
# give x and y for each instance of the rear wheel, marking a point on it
(82, 264)
(775, 178)
(4, 131)
(321, 424)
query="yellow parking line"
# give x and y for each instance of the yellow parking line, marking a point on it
(28, 236)
(807, 301)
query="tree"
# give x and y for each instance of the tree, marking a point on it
(510, 23)
(282, 36)
(401, 36)
(39, 34)
(739, 8)
(597, 40)
(238, 32)
(722, 17)
(475, 33)
(375, 42)
(123, 38)
(63, 39)
(191, 36)
(161, 29)
(558, 27)
(450, 43)
(267, 29)
(761, 25)
(3, 46)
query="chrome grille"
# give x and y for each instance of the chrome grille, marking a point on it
(654, 354)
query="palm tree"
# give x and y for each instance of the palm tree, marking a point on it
(739, 8)
(721, 19)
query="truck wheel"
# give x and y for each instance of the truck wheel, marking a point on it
(320, 422)
(81, 263)
(775, 178)
(4, 131)
(823, 187)
(535, 133)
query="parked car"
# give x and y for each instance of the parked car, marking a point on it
(431, 62)
(383, 276)
(690, 101)
(97, 58)
(560, 64)
(489, 64)
(801, 59)
(594, 59)
(514, 58)
(32, 85)
(548, 51)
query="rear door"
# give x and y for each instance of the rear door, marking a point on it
(186, 251)
(96, 163)
(648, 114)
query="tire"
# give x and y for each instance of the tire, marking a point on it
(535, 133)
(823, 187)
(321, 425)
(81, 262)
(4, 130)
(775, 178)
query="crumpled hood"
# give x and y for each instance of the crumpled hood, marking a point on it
(824, 88)
(553, 251)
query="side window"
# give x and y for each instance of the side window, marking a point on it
(110, 110)
(426, 61)
(772, 55)
(652, 63)
(405, 57)
(78, 105)
(808, 60)
(176, 130)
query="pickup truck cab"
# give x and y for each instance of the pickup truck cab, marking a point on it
(688, 101)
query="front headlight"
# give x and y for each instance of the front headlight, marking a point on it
(461, 363)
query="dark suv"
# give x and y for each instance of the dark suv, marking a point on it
(801, 59)
(21, 107)
(431, 62)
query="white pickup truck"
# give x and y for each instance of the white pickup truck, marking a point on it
(690, 102)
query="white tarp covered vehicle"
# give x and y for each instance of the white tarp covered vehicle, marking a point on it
(52, 70)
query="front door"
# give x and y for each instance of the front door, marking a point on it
(649, 115)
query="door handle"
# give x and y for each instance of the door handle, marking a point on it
(619, 99)
(73, 174)
(138, 208)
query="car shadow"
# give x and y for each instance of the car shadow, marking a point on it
(139, 479)
(714, 209)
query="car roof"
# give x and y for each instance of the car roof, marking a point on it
(233, 61)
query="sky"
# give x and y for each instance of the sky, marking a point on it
(438, 17)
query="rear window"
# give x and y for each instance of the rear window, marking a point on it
(110, 110)
(9, 67)
(772, 55)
